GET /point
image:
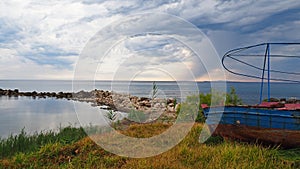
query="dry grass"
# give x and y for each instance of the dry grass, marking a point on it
(188, 154)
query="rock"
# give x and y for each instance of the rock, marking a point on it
(282, 100)
(171, 105)
(143, 99)
(1, 92)
(8, 92)
(104, 107)
(170, 109)
(292, 100)
(170, 100)
(34, 93)
(144, 103)
(53, 94)
(160, 107)
(27, 94)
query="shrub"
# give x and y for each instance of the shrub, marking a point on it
(231, 99)
(111, 116)
(137, 116)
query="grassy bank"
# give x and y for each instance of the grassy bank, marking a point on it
(68, 150)
(25, 143)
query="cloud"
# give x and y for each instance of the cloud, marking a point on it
(170, 46)
(138, 57)
(52, 34)
(8, 31)
(16, 67)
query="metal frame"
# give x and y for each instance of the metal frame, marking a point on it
(232, 54)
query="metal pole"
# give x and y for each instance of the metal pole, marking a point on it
(263, 76)
(268, 46)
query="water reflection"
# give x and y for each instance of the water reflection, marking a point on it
(44, 114)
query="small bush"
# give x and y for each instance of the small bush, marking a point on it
(137, 116)
(231, 99)
(111, 116)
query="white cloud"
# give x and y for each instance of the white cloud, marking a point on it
(16, 67)
(138, 57)
(51, 34)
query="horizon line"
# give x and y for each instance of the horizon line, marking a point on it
(205, 81)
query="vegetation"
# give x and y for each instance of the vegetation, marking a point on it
(137, 116)
(231, 99)
(189, 153)
(24, 143)
(154, 91)
(111, 116)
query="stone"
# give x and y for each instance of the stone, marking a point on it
(171, 105)
(170, 100)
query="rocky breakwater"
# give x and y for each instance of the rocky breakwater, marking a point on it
(129, 103)
(153, 108)
(114, 101)
(34, 94)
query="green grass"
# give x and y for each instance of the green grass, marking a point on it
(24, 143)
(64, 152)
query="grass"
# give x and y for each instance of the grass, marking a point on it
(24, 143)
(81, 152)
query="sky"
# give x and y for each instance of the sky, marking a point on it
(42, 39)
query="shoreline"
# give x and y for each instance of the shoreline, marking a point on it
(107, 100)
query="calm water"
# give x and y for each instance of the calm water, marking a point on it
(44, 114)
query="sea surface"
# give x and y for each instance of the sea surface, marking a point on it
(45, 114)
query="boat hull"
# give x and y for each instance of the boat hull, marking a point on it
(264, 126)
(265, 136)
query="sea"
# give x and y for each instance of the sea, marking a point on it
(39, 114)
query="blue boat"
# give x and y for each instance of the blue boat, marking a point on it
(270, 123)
